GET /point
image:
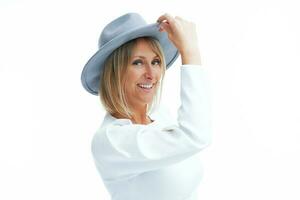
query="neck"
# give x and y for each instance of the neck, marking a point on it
(139, 115)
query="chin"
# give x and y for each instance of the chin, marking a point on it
(147, 101)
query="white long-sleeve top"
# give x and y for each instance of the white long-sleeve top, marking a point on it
(158, 161)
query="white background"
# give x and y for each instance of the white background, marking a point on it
(47, 120)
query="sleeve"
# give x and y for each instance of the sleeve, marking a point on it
(135, 148)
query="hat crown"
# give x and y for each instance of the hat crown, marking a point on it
(119, 26)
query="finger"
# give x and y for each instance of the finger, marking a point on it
(166, 17)
(165, 26)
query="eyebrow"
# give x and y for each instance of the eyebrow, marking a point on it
(145, 57)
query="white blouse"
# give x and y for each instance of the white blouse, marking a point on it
(158, 161)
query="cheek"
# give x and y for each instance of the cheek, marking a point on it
(159, 73)
(130, 84)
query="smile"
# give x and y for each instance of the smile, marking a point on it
(145, 87)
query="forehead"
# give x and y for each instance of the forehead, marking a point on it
(143, 50)
(144, 57)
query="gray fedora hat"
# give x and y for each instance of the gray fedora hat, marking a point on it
(121, 30)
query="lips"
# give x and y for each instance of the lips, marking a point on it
(143, 84)
(146, 89)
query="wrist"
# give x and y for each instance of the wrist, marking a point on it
(191, 56)
(189, 50)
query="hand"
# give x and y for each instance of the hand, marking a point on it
(181, 32)
(183, 35)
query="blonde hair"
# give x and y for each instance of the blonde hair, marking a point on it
(111, 88)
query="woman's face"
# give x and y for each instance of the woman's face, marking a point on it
(144, 72)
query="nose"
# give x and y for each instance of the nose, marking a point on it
(149, 71)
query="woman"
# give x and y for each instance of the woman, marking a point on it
(139, 151)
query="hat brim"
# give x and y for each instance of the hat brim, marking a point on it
(90, 75)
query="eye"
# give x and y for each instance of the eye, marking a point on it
(136, 62)
(157, 61)
(154, 62)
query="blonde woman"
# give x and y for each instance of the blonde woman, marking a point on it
(140, 151)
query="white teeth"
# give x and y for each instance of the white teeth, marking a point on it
(146, 86)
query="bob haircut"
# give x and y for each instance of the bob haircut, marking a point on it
(111, 87)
